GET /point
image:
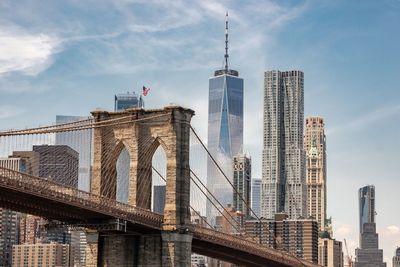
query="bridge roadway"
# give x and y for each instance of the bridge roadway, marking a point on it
(33, 195)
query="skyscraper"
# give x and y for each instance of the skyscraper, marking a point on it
(128, 100)
(330, 252)
(60, 163)
(242, 182)
(256, 196)
(368, 254)
(396, 258)
(283, 165)
(366, 198)
(298, 237)
(225, 128)
(81, 142)
(315, 147)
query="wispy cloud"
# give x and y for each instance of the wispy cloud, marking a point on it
(21, 51)
(367, 119)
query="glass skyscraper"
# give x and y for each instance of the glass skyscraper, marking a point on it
(225, 129)
(368, 254)
(80, 141)
(128, 100)
(256, 196)
(366, 196)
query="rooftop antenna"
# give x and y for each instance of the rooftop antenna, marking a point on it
(226, 42)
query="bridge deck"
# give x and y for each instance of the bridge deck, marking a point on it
(30, 194)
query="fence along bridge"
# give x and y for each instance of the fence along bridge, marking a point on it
(122, 229)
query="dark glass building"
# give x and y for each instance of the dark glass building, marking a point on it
(80, 141)
(128, 100)
(58, 163)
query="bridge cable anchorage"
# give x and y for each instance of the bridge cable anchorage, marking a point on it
(278, 242)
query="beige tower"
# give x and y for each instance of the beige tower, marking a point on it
(315, 147)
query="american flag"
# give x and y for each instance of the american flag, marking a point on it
(145, 91)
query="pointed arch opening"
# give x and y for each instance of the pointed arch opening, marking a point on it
(158, 180)
(123, 166)
(115, 173)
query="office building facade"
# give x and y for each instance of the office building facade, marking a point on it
(283, 163)
(242, 183)
(396, 258)
(298, 237)
(59, 163)
(256, 197)
(42, 255)
(81, 142)
(315, 147)
(128, 100)
(30, 229)
(368, 254)
(330, 252)
(225, 129)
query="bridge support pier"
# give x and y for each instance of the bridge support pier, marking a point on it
(170, 249)
(92, 242)
(176, 249)
(118, 250)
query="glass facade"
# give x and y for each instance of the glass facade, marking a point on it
(81, 142)
(124, 101)
(366, 196)
(256, 196)
(225, 133)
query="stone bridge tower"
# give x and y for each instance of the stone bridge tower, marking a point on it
(141, 132)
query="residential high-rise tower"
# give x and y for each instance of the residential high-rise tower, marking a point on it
(315, 147)
(242, 182)
(225, 128)
(283, 164)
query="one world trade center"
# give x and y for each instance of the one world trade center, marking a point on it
(225, 129)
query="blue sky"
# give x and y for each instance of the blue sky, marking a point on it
(70, 57)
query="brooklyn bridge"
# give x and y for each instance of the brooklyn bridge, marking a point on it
(126, 231)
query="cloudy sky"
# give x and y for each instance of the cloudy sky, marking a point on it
(71, 57)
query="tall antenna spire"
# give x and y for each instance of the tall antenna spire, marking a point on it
(226, 42)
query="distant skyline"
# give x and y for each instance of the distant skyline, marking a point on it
(72, 57)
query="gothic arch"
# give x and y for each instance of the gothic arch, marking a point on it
(168, 128)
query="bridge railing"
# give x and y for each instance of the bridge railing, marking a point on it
(241, 243)
(51, 190)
